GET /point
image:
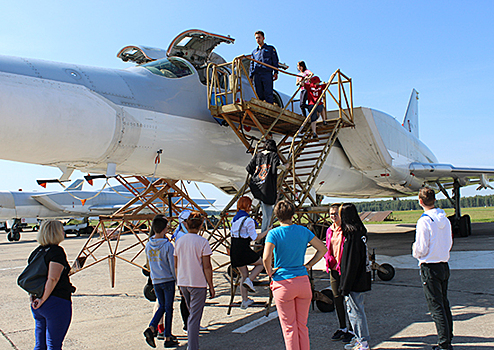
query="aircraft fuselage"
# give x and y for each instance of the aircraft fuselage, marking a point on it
(86, 118)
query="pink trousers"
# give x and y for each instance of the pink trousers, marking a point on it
(292, 298)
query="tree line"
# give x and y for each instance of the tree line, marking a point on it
(413, 204)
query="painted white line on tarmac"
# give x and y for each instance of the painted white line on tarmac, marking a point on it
(256, 323)
(12, 268)
(459, 260)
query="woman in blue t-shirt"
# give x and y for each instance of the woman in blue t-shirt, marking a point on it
(291, 286)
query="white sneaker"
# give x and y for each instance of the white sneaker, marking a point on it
(352, 345)
(249, 285)
(246, 304)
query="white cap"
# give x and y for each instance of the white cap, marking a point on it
(184, 215)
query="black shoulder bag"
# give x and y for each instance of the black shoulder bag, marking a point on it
(34, 276)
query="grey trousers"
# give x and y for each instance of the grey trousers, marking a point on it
(195, 298)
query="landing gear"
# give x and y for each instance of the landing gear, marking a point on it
(385, 271)
(388, 275)
(149, 291)
(325, 306)
(14, 234)
(460, 225)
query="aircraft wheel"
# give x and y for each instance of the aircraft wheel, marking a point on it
(465, 226)
(9, 237)
(390, 272)
(15, 233)
(325, 307)
(149, 292)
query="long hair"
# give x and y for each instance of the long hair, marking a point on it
(350, 220)
(302, 64)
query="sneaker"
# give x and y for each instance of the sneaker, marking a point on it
(359, 346)
(353, 343)
(249, 285)
(338, 335)
(203, 329)
(347, 338)
(246, 304)
(161, 336)
(324, 122)
(172, 343)
(314, 136)
(149, 335)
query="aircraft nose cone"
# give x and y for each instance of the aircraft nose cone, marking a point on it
(49, 122)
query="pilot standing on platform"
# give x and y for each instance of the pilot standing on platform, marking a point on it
(263, 76)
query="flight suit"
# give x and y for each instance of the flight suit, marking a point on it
(263, 76)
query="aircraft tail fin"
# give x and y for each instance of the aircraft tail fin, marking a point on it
(411, 121)
(76, 185)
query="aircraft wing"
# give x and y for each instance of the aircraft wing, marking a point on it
(446, 173)
(110, 207)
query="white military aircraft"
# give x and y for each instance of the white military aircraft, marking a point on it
(20, 207)
(117, 120)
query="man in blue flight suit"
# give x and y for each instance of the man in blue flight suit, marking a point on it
(263, 76)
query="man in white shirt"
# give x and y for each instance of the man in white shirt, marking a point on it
(433, 241)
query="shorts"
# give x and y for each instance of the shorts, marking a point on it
(315, 116)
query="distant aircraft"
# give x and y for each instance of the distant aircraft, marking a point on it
(111, 121)
(21, 207)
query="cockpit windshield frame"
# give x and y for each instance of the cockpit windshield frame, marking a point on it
(171, 67)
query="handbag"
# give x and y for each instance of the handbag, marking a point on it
(34, 276)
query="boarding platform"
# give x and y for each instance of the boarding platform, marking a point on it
(232, 99)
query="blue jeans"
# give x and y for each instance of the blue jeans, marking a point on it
(356, 314)
(52, 321)
(267, 213)
(165, 293)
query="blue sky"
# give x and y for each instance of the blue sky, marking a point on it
(443, 49)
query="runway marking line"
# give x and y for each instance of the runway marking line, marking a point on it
(256, 323)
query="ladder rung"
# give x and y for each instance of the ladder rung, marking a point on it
(311, 152)
(300, 175)
(311, 145)
(306, 159)
(303, 167)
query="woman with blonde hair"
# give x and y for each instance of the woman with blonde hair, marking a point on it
(53, 311)
(241, 254)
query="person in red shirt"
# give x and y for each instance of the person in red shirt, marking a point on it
(314, 90)
(304, 72)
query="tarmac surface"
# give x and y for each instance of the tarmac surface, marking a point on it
(114, 318)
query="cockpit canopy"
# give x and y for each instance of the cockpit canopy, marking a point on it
(173, 67)
(195, 46)
(140, 54)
